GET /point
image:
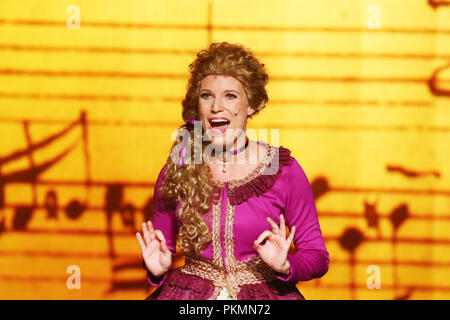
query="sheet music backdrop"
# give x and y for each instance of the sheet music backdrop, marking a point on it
(90, 92)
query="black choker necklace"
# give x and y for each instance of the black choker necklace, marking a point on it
(231, 153)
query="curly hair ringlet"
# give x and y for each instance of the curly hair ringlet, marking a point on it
(191, 183)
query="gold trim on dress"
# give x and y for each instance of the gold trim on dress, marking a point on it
(262, 165)
(217, 248)
(253, 271)
(234, 273)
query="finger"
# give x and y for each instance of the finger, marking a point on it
(275, 228)
(282, 227)
(140, 240)
(146, 233)
(291, 236)
(162, 240)
(151, 231)
(261, 237)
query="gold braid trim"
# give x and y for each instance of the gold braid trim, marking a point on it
(230, 260)
(253, 271)
(217, 248)
(262, 165)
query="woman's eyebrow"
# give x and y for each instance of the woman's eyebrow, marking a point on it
(225, 91)
(205, 89)
(231, 90)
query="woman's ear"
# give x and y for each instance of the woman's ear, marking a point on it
(250, 111)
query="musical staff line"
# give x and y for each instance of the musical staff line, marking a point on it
(413, 263)
(100, 255)
(429, 241)
(131, 256)
(391, 190)
(119, 233)
(32, 279)
(321, 214)
(354, 215)
(63, 254)
(240, 28)
(328, 102)
(283, 54)
(299, 126)
(151, 75)
(96, 183)
(151, 184)
(327, 285)
(142, 283)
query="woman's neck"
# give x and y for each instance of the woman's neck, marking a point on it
(240, 165)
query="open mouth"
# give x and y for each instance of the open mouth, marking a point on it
(219, 125)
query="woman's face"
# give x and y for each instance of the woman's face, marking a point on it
(223, 109)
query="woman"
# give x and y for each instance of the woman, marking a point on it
(222, 203)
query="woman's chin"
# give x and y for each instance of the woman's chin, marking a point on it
(222, 140)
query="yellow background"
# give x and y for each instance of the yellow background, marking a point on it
(348, 101)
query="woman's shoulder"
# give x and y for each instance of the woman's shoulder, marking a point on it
(289, 165)
(275, 163)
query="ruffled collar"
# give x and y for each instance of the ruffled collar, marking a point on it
(259, 180)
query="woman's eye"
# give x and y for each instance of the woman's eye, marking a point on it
(231, 95)
(205, 95)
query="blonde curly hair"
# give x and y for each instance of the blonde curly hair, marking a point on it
(191, 183)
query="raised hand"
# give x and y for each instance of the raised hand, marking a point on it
(157, 256)
(274, 251)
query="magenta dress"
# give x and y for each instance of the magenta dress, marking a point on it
(277, 186)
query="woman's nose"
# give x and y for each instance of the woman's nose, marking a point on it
(217, 106)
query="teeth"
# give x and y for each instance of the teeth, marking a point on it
(218, 120)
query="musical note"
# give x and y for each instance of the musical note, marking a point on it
(372, 216)
(127, 213)
(319, 187)
(398, 216)
(436, 84)
(22, 216)
(438, 3)
(406, 296)
(350, 240)
(411, 173)
(87, 157)
(74, 209)
(114, 203)
(113, 198)
(24, 213)
(31, 160)
(148, 209)
(51, 204)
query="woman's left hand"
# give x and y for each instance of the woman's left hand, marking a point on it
(274, 251)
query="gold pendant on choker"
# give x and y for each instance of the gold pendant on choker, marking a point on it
(224, 169)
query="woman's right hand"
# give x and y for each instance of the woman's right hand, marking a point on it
(157, 256)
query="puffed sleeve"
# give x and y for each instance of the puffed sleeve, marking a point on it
(311, 258)
(164, 219)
